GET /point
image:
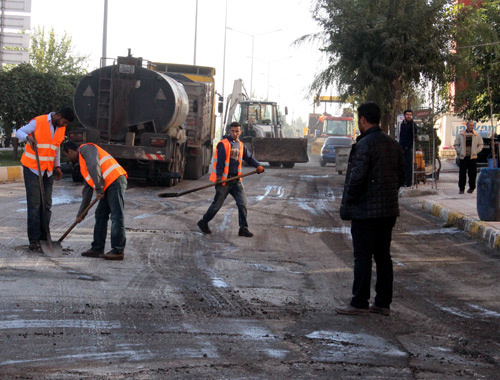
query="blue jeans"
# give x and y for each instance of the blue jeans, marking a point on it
(36, 222)
(112, 204)
(235, 188)
(372, 237)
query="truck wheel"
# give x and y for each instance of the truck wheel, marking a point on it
(288, 165)
(274, 164)
(322, 163)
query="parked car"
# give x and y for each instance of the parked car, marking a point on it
(328, 149)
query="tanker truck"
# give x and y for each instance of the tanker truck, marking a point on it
(158, 122)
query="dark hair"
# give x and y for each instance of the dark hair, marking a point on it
(370, 111)
(67, 113)
(406, 111)
(70, 145)
(234, 124)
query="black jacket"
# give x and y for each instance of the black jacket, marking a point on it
(375, 173)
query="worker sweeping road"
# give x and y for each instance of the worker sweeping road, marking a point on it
(102, 173)
(227, 163)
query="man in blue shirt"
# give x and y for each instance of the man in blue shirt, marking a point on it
(227, 163)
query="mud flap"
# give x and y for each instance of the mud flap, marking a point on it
(267, 149)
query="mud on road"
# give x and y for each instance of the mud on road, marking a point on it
(183, 305)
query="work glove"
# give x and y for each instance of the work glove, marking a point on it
(260, 169)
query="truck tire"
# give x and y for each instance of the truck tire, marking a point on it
(322, 163)
(288, 165)
(274, 164)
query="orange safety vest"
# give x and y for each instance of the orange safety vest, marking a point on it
(46, 145)
(110, 168)
(227, 147)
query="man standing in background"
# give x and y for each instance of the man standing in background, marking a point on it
(468, 144)
(407, 134)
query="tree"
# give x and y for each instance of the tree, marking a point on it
(381, 50)
(44, 85)
(477, 60)
(49, 54)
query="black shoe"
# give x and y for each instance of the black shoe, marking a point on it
(244, 232)
(204, 227)
(380, 310)
(34, 246)
(470, 191)
(92, 253)
(111, 255)
(461, 192)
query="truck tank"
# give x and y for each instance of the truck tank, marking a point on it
(138, 116)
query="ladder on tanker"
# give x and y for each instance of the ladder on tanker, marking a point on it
(104, 103)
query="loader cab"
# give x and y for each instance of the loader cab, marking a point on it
(259, 119)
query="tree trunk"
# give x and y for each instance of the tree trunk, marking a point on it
(15, 145)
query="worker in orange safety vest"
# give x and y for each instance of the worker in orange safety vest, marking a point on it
(45, 133)
(105, 175)
(227, 162)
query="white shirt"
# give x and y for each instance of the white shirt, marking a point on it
(23, 133)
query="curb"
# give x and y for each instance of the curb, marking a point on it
(474, 227)
(11, 173)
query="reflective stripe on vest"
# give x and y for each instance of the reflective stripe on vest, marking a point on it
(227, 148)
(110, 168)
(47, 145)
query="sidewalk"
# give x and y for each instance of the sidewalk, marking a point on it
(459, 210)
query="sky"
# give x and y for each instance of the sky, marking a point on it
(164, 31)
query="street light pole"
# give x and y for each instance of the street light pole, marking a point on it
(253, 45)
(223, 75)
(104, 34)
(195, 31)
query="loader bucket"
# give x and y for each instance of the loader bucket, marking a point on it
(284, 150)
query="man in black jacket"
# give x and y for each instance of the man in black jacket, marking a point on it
(407, 133)
(375, 173)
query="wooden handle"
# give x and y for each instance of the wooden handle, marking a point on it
(76, 221)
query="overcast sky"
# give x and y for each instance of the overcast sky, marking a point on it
(164, 30)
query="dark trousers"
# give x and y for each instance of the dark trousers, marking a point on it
(372, 237)
(235, 188)
(467, 166)
(408, 159)
(112, 205)
(36, 222)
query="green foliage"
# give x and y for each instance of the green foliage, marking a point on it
(26, 93)
(50, 54)
(477, 58)
(381, 50)
(45, 85)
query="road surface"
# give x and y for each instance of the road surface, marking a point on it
(183, 305)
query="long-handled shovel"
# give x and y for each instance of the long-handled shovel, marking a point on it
(48, 246)
(184, 192)
(84, 212)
